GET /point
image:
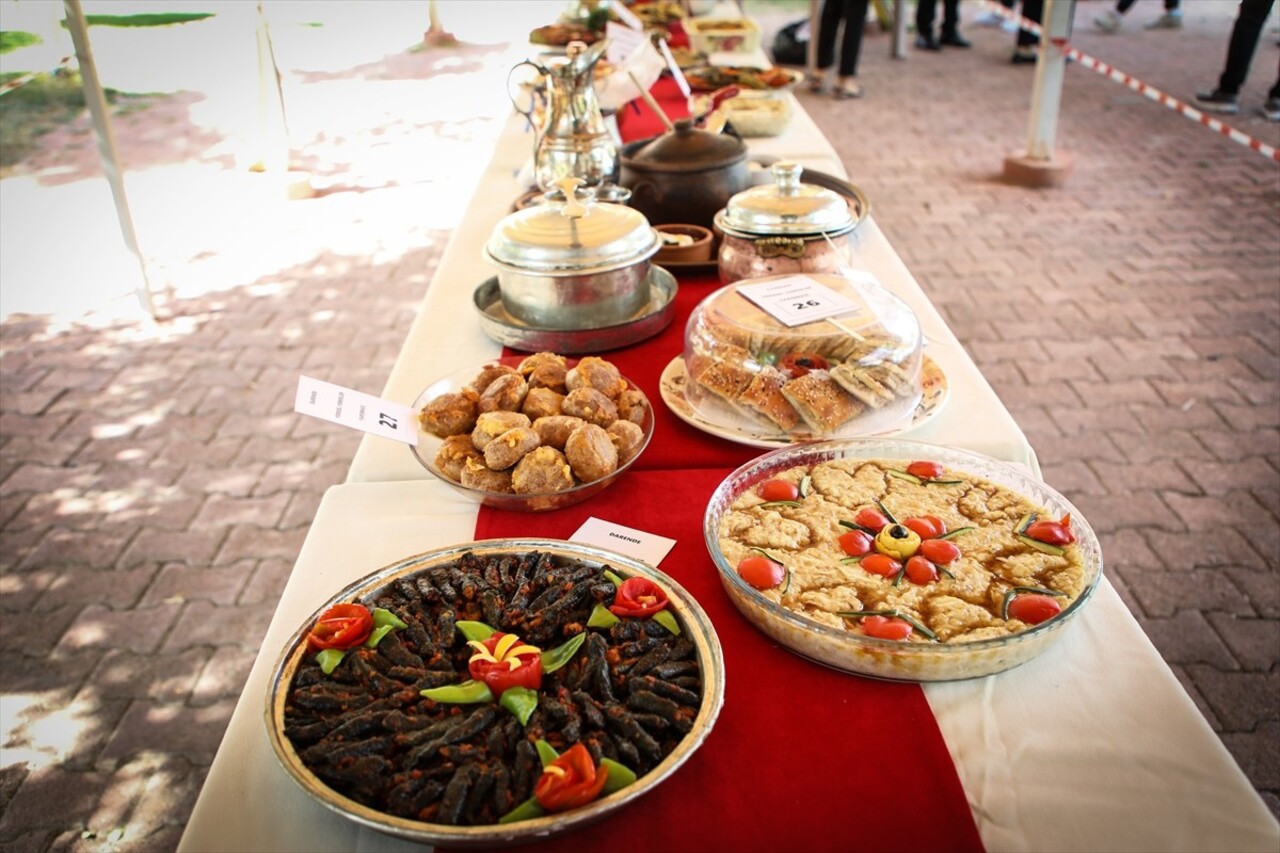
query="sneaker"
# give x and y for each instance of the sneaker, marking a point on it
(1108, 23)
(1023, 56)
(1168, 21)
(1271, 109)
(927, 43)
(955, 40)
(1218, 102)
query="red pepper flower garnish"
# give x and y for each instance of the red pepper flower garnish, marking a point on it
(1052, 532)
(343, 626)
(502, 662)
(638, 597)
(570, 781)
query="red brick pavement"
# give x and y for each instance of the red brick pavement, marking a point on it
(154, 489)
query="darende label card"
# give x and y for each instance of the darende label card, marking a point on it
(647, 547)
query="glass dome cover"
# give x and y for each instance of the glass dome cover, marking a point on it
(855, 373)
(786, 207)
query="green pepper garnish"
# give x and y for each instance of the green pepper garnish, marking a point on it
(520, 701)
(546, 752)
(555, 658)
(620, 776)
(477, 631)
(617, 581)
(466, 693)
(602, 618)
(382, 617)
(329, 659)
(376, 636)
(666, 620)
(527, 810)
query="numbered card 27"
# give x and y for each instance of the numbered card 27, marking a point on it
(355, 409)
(798, 299)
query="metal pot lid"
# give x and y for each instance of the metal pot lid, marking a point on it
(687, 149)
(786, 206)
(573, 234)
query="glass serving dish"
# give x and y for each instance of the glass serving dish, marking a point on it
(853, 651)
(692, 620)
(428, 444)
(853, 374)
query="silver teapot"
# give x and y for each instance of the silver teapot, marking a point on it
(573, 140)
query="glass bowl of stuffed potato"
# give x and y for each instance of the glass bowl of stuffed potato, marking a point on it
(532, 433)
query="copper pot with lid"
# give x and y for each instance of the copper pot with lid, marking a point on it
(784, 226)
(684, 176)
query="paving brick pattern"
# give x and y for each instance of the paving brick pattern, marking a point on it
(154, 490)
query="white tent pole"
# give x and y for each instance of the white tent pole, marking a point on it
(1046, 98)
(899, 44)
(97, 104)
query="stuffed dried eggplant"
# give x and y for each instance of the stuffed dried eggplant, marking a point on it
(405, 727)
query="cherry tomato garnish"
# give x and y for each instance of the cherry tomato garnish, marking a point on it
(342, 626)
(800, 363)
(872, 519)
(779, 490)
(927, 526)
(940, 552)
(855, 543)
(1034, 608)
(886, 628)
(920, 571)
(881, 564)
(761, 572)
(1052, 532)
(925, 470)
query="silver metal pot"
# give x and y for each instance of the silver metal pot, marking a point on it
(572, 262)
(783, 227)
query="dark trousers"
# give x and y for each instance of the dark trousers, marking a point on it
(854, 14)
(1124, 5)
(926, 9)
(1244, 41)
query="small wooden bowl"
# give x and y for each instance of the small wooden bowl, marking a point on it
(697, 252)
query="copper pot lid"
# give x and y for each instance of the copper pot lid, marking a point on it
(573, 233)
(786, 207)
(687, 149)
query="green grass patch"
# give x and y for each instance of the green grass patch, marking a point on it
(45, 102)
(146, 19)
(14, 39)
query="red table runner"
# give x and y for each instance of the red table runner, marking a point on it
(802, 757)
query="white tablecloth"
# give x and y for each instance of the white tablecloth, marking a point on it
(1092, 746)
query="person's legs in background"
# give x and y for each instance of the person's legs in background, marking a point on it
(827, 26)
(951, 25)
(855, 20)
(925, 39)
(1245, 33)
(1025, 50)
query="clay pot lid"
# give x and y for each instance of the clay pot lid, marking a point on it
(687, 149)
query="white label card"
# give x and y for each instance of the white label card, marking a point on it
(647, 547)
(627, 16)
(623, 41)
(674, 67)
(355, 409)
(797, 299)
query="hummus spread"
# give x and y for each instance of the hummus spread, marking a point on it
(969, 599)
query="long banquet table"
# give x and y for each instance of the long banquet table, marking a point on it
(1092, 746)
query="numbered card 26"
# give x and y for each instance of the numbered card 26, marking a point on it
(797, 299)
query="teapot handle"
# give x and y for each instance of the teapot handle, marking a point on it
(528, 114)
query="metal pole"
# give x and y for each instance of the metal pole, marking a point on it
(97, 104)
(899, 48)
(811, 59)
(1051, 65)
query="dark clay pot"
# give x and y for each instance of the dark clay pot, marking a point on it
(684, 176)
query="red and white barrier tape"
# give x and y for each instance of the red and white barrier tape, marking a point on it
(17, 82)
(1113, 73)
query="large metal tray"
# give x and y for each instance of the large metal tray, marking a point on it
(517, 334)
